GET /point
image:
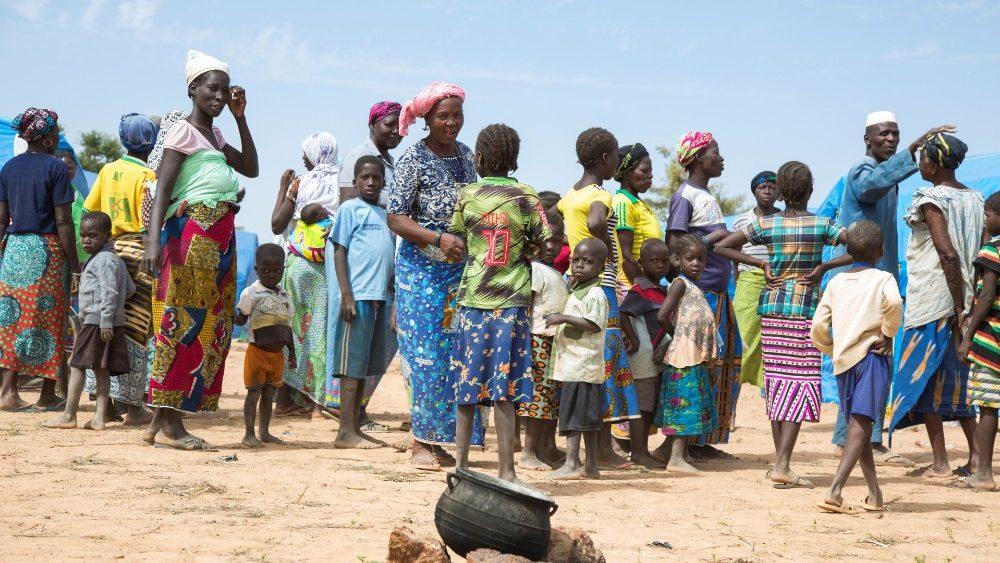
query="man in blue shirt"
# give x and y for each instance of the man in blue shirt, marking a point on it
(871, 189)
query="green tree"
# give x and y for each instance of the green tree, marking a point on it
(98, 148)
(658, 196)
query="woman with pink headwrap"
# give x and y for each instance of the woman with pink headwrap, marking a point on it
(693, 209)
(429, 266)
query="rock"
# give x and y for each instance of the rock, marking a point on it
(572, 545)
(406, 546)
(493, 556)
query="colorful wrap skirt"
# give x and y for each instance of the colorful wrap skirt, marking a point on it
(792, 370)
(426, 321)
(620, 402)
(306, 284)
(193, 303)
(131, 387)
(492, 359)
(544, 402)
(930, 379)
(686, 406)
(34, 302)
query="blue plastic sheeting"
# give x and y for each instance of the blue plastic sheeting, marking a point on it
(81, 182)
(246, 248)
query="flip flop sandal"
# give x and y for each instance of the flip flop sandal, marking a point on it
(798, 483)
(60, 406)
(26, 409)
(871, 507)
(842, 509)
(963, 483)
(373, 427)
(962, 471)
(893, 459)
(187, 444)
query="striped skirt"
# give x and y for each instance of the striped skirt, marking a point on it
(791, 369)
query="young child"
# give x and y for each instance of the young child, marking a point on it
(309, 238)
(363, 260)
(269, 310)
(642, 330)
(504, 228)
(100, 345)
(686, 405)
(548, 295)
(578, 363)
(980, 346)
(855, 322)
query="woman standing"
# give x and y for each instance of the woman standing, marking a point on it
(122, 190)
(750, 280)
(429, 265)
(305, 278)
(794, 239)
(693, 209)
(191, 252)
(636, 221)
(930, 384)
(38, 252)
(588, 212)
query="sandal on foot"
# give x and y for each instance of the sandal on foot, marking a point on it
(798, 483)
(188, 443)
(963, 483)
(29, 408)
(893, 459)
(869, 507)
(842, 509)
(373, 427)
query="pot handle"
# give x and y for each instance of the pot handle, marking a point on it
(553, 508)
(450, 479)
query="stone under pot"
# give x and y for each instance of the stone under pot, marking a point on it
(482, 511)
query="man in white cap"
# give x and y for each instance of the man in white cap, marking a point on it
(871, 189)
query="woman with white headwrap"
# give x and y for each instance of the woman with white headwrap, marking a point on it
(305, 274)
(191, 252)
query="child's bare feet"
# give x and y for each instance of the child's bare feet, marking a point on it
(267, 438)
(610, 460)
(352, 441)
(648, 461)
(530, 461)
(63, 421)
(567, 472)
(681, 467)
(251, 441)
(94, 424)
(423, 458)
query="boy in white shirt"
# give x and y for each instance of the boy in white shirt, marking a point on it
(863, 308)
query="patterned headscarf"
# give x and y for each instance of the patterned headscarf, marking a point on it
(763, 178)
(945, 150)
(35, 123)
(383, 109)
(137, 132)
(690, 145)
(629, 157)
(320, 184)
(424, 101)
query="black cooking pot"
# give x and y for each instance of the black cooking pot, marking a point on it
(482, 511)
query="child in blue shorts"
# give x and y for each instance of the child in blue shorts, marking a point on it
(363, 259)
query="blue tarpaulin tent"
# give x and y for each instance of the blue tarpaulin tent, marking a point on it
(246, 248)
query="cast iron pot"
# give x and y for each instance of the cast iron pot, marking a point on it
(482, 511)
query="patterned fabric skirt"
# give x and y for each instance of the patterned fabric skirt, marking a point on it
(930, 379)
(984, 387)
(620, 402)
(193, 304)
(131, 387)
(306, 284)
(426, 310)
(686, 406)
(745, 302)
(724, 370)
(792, 365)
(34, 302)
(492, 358)
(544, 403)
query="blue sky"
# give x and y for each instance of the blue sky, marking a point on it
(774, 81)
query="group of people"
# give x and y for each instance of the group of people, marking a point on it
(580, 314)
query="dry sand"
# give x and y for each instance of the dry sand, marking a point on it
(81, 494)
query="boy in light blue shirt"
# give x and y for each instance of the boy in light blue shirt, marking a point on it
(363, 262)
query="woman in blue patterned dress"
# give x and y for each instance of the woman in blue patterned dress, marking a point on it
(429, 266)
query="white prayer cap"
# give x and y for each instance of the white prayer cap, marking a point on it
(199, 63)
(876, 117)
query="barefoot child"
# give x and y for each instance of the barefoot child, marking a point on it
(855, 322)
(269, 310)
(981, 348)
(548, 295)
(578, 352)
(100, 346)
(363, 261)
(642, 330)
(504, 228)
(686, 405)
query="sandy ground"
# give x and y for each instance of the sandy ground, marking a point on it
(81, 494)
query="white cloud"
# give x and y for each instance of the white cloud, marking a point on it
(89, 17)
(137, 14)
(30, 10)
